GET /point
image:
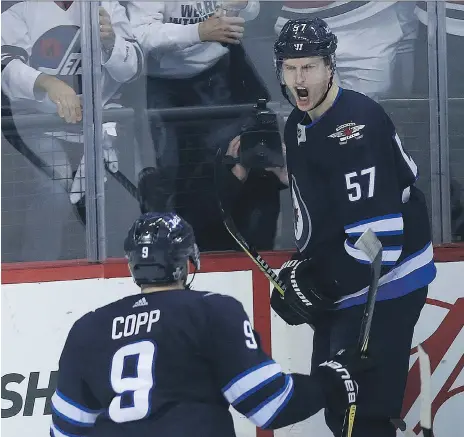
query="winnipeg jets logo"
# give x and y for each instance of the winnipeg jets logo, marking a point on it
(300, 133)
(348, 131)
(58, 51)
(301, 219)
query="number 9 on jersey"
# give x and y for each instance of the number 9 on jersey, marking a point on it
(133, 391)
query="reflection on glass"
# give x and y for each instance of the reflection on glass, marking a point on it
(42, 74)
(455, 47)
(172, 74)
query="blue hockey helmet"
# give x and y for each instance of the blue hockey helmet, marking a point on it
(158, 247)
(305, 37)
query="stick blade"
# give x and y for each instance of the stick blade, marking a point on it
(425, 391)
(369, 244)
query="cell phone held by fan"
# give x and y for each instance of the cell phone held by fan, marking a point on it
(260, 142)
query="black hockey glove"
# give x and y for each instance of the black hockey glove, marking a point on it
(302, 301)
(339, 377)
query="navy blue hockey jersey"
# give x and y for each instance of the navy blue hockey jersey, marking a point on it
(348, 171)
(170, 364)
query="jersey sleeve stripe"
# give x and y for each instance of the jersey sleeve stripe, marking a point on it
(264, 413)
(57, 432)
(76, 404)
(248, 382)
(390, 254)
(255, 389)
(378, 233)
(246, 372)
(409, 161)
(69, 420)
(10, 53)
(140, 57)
(73, 412)
(384, 223)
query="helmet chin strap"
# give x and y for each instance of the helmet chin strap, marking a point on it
(188, 286)
(324, 96)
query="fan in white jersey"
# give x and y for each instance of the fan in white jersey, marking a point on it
(42, 71)
(454, 23)
(374, 38)
(194, 58)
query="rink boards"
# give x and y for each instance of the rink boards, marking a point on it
(36, 317)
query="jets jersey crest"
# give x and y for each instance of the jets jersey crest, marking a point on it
(58, 53)
(45, 37)
(301, 219)
(348, 131)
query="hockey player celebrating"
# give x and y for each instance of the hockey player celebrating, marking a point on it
(348, 172)
(169, 363)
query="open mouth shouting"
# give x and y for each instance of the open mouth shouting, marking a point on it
(302, 96)
(302, 93)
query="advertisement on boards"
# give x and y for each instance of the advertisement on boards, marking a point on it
(36, 318)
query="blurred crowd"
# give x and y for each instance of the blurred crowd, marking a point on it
(157, 57)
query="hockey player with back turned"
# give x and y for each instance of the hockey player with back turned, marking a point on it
(348, 172)
(169, 363)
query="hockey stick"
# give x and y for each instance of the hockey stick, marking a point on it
(425, 396)
(371, 246)
(401, 425)
(21, 147)
(238, 237)
(425, 392)
(124, 181)
(251, 251)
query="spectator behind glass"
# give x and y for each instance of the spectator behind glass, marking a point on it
(374, 38)
(252, 197)
(454, 22)
(42, 72)
(194, 57)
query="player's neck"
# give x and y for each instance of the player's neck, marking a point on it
(326, 104)
(153, 289)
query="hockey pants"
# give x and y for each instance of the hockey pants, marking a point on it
(381, 390)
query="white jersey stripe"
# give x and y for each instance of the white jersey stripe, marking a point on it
(377, 224)
(411, 164)
(268, 410)
(250, 381)
(388, 255)
(56, 432)
(73, 412)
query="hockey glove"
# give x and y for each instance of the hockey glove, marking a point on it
(338, 375)
(302, 301)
